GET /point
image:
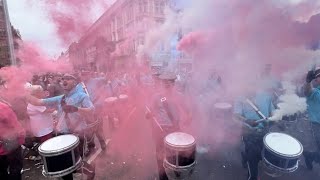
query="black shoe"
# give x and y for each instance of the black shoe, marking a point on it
(308, 159)
(244, 160)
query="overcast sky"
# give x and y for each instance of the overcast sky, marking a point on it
(34, 25)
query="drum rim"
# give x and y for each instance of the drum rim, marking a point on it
(63, 172)
(59, 151)
(114, 97)
(227, 108)
(281, 154)
(179, 146)
(126, 96)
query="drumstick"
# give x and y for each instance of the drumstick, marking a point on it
(155, 120)
(256, 109)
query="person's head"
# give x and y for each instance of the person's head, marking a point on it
(317, 77)
(85, 75)
(69, 81)
(37, 91)
(266, 70)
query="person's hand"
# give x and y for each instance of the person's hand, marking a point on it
(69, 108)
(310, 76)
(252, 123)
(149, 115)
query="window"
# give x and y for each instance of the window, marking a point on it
(143, 6)
(157, 7)
(119, 21)
(129, 13)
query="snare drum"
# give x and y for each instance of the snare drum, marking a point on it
(110, 100)
(60, 155)
(223, 110)
(280, 154)
(180, 150)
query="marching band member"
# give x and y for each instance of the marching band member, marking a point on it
(312, 92)
(74, 108)
(12, 136)
(165, 112)
(95, 89)
(253, 136)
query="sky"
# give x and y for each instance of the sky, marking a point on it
(34, 24)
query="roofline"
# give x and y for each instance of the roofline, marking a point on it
(106, 14)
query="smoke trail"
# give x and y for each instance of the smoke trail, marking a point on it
(290, 103)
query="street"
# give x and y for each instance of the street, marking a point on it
(131, 155)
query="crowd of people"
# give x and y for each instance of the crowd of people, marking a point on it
(75, 103)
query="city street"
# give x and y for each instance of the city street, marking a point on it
(131, 155)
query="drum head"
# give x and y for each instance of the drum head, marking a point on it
(180, 139)
(110, 99)
(222, 105)
(58, 144)
(283, 144)
(123, 96)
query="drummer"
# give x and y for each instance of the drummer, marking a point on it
(74, 108)
(165, 117)
(95, 88)
(255, 131)
(312, 92)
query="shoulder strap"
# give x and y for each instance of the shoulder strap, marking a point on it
(169, 112)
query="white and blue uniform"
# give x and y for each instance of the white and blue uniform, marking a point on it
(77, 122)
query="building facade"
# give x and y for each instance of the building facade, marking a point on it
(7, 36)
(120, 30)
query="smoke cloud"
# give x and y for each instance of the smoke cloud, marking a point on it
(289, 103)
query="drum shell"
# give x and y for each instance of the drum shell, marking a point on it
(180, 156)
(282, 163)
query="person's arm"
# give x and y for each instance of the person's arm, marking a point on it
(308, 86)
(308, 89)
(34, 101)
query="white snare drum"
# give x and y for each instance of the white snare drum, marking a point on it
(223, 110)
(111, 100)
(123, 96)
(180, 150)
(280, 154)
(60, 155)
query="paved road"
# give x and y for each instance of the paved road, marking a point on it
(131, 156)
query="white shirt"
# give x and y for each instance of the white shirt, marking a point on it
(41, 123)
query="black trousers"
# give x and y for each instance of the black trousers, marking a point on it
(158, 137)
(253, 147)
(14, 163)
(315, 156)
